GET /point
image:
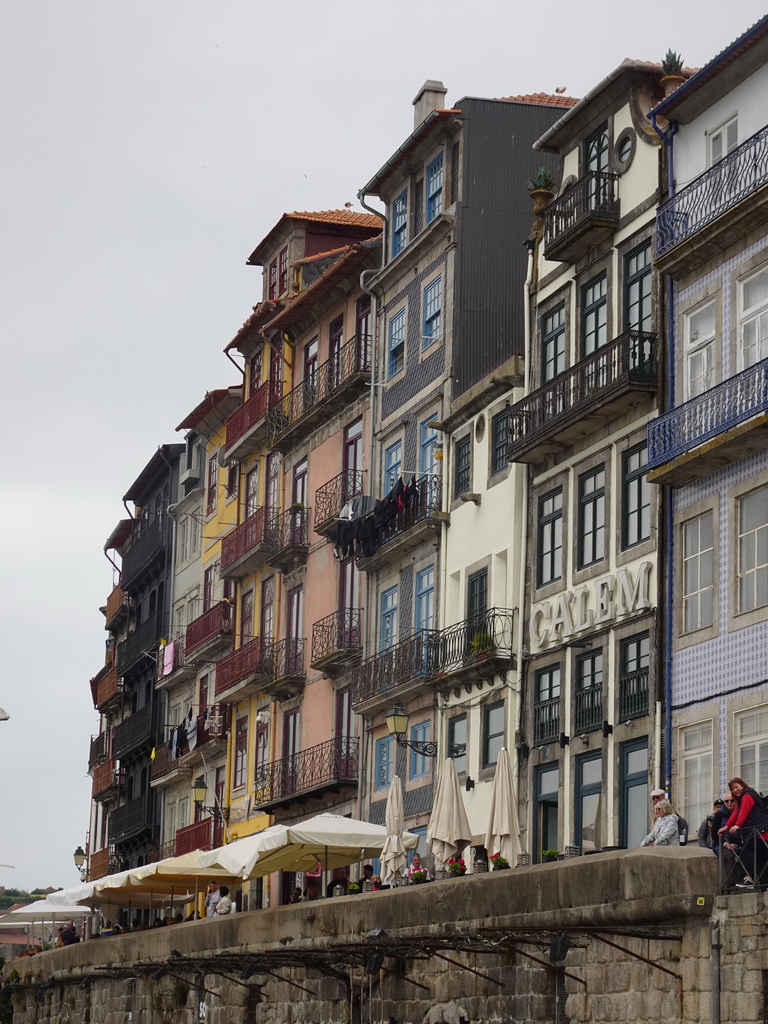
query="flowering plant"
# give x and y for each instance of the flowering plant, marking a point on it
(499, 861)
(456, 866)
(353, 887)
(417, 874)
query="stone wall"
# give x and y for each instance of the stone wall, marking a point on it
(640, 923)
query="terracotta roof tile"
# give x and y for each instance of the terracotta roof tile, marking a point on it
(362, 220)
(546, 99)
(320, 255)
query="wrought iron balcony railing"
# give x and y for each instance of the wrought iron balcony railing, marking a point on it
(283, 667)
(337, 639)
(288, 538)
(134, 732)
(198, 836)
(160, 852)
(213, 724)
(713, 193)
(150, 544)
(240, 665)
(320, 767)
(706, 416)
(546, 721)
(132, 818)
(415, 657)
(401, 531)
(480, 638)
(214, 624)
(589, 206)
(633, 695)
(243, 549)
(98, 750)
(138, 645)
(629, 360)
(588, 709)
(331, 498)
(251, 413)
(352, 362)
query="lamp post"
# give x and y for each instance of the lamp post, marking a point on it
(397, 724)
(199, 789)
(79, 858)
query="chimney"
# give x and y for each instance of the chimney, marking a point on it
(430, 97)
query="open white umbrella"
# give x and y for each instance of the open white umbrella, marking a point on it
(503, 833)
(449, 829)
(393, 853)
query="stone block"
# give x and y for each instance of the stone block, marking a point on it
(748, 942)
(641, 976)
(744, 904)
(617, 977)
(746, 1007)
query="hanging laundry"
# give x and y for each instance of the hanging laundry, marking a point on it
(190, 728)
(168, 657)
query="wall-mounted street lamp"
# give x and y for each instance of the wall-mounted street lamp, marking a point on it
(79, 857)
(199, 789)
(397, 726)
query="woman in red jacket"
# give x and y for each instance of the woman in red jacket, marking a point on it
(748, 824)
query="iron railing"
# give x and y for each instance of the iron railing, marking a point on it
(134, 732)
(546, 721)
(139, 644)
(160, 852)
(244, 662)
(98, 750)
(107, 687)
(352, 359)
(148, 546)
(131, 818)
(415, 657)
(177, 659)
(245, 537)
(198, 836)
(213, 723)
(588, 709)
(116, 604)
(633, 695)
(630, 358)
(428, 501)
(331, 498)
(485, 635)
(330, 762)
(106, 776)
(714, 192)
(164, 762)
(706, 416)
(217, 621)
(283, 658)
(98, 863)
(594, 195)
(337, 634)
(253, 410)
(289, 529)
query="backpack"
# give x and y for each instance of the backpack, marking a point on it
(682, 830)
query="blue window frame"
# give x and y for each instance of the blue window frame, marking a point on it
(385, 761)
(400, 223)
(388, 634)
(433, 312)
(427, 445)
(393, 460)
(419, 762)
(435, 188)
(396, 343)
(425, 598)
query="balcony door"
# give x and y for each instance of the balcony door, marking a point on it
(310, 375)
(261, 761)
(275, 365)
(218, 819)
(335, 342)
(596, 156)
(353, 460)
(290, 749)
(348, 629)
(272, 495)
(363, 331)
(254, 374)
(208, 588)
(299, 485)
(267, 631)
(546, 823)
(246, 617)
(345, 721)
(251, 492)
(294, 630)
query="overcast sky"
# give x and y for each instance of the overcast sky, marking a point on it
(147, 147)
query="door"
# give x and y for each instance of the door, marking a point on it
(545, 824)
(345, 733)
(596, 154)
(363, 332)
(208, 588)
(294, 631)
(268, 609)
(310, 375)
(589, 785)
(272, 495)
(633, 808)
(352, 483)
(290, 749)
(246, 617)
(254, 374)
(218, 820)
(348, 629)
(251, 492)
(335, 343)
(425, 613)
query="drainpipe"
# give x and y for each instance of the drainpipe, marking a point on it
(715, 974)
(240, 369)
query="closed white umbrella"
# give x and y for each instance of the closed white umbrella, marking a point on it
(393, 853)
(449, 829)
(503, 833)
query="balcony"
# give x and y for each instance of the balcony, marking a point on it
(607, 384)
(212, 732)
(131, 819)
(721, 426)
(409, 528)
(245, 549)
(327, 768)
(210, 634)
(283, 668)
(337, 641)
(134, 733)
(98, 863)
(198, 836)
(546, 721)
(167, 769)
(98, 750)
(475, 649)
(288, 539)
(173, 665)
(633, 695)
(117, 609)
(586, 214)
(588, 710)
(331, 498)
(402, 669)
(247, 428)
(241, 673)
(147, 549)
(106, 689)
(699, 222)
(332, 385)
(106, 780)
(138, 646)
(160, 852)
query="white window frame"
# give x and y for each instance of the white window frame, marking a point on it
(753, 537)
(701, 346)
(701, 562)
(751, 746)
(718, 145)
(695, 766)
(757, 315)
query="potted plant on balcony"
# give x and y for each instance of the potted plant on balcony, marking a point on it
(296, 508)
(499, 862)
(550, 855)
(482, 645)
(457, 866)
(542, 187)
(672, 76)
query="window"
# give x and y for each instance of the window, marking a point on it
(385, 756)
(400, 223)
(419, 762)
(233, 478)
(698, 566)
(696, 770)
(425, 598)
(208, 581)
(545, 826)
(499, 441)
(457, 742)
(634, 658)
(636, 497)
(335, 342)
(283, 271)
(428, 445)
(417, 203)
(493, 733)
(255, 366)
(267, 627)
(589, 692)
(550, 566)
(396, 359)
(596, 154)
(435, 188)
(700, 350)
(182, 541)
(210, 500)
(272, 280)
(637, 289)
(753, 323)
(553, 343)
(591, 539)
(546, 712)
(753, 550)
(633, 809)
(241, 753)
(433, 313)
(477, 596)
(723, 140)
(246, 616)
(463, 479)
(388, 625)
(392, 463)
(752, 747)
(589, 784)
(594, 315)
(251, 491)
